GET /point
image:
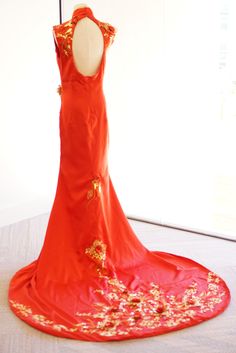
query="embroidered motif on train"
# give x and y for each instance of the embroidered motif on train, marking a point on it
(26, 311)
(97, 252)
(128, 311)
(131, 311)
(95, 190)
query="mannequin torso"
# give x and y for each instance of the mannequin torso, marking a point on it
(87, 45)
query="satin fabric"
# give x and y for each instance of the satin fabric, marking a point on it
(93, 279)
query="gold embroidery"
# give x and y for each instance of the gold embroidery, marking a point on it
(66, 35)
(97, 252)
(26, 311)
(125, 311)
(129, 311)
(96, 189)
(121, 311)
(109, 33)
(65, 32)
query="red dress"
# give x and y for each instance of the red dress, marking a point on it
(94, 280)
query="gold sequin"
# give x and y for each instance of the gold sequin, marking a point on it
(95, 190)
(97, 252)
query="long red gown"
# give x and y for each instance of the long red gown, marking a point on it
(94, 280)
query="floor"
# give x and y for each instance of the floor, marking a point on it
(20, 244)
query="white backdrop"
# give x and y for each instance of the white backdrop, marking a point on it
(163, 88)
(28, 110)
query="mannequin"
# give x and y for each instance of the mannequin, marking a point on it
(87, 45)
(79, 5)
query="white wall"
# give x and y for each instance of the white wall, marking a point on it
(29, 109)
(164, 102)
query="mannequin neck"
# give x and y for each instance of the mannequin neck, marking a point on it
(80, 6)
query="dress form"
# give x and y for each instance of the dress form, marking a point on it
(93, 279)
(87, 45)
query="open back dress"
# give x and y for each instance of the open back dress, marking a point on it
(93, 279)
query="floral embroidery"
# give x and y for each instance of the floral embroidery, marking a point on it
(121, 311)
(132, 311)
(95, 190)
(65, 32)
(109, 32)
(26, 311)
(97, 252)
(125, 311)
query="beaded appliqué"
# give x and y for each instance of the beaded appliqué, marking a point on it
(130, 311)
(97, 252)
(95, 189)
